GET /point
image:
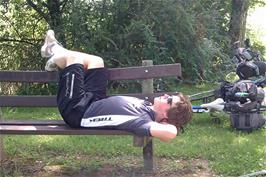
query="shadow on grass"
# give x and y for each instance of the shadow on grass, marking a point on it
(126, 166)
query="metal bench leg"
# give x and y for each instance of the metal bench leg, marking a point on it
(147, 144)
(148, 154)
(1, 147)
(1, 156)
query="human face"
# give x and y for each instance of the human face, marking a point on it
(165, 101)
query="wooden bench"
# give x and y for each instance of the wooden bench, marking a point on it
(57, 127)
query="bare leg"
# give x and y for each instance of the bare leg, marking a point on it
(69, 57)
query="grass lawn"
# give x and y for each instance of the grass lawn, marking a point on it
(204, 149)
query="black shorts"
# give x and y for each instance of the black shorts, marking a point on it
(78, 88)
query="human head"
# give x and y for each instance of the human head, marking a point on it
(177, 112)
(180, 113)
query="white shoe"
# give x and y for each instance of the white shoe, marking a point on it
(49, 42)
(46, 50)
(50, 65)
(217, 104)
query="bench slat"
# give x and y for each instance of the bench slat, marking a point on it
(28, 101)
(146, 72)
(32, 122)
(142, 72)
(50, 101)
(55, 130)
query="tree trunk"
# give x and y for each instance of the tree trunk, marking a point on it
(55, 22)
(237, 27)
(53, 17)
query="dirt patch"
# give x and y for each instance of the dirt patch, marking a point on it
(107, 167)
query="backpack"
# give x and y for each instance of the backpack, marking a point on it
(242, 91)
(243, 100)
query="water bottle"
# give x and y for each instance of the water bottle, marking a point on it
(241, 94)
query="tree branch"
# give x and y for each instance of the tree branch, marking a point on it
(10, 22)
(38, 10)
(17, 40)
(63, 3)
(43, 3)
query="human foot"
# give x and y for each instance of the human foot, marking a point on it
(47, 52)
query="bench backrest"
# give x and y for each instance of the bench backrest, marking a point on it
(129, 73)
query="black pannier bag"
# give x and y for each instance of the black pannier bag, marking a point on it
(247, 121)
(247, 69)
(242, 100)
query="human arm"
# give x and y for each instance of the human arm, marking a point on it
(165, 132)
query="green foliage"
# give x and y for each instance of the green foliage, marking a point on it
(20, 30)
(122, 32)
(256, 44)
(254, 3)
(193, 33)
